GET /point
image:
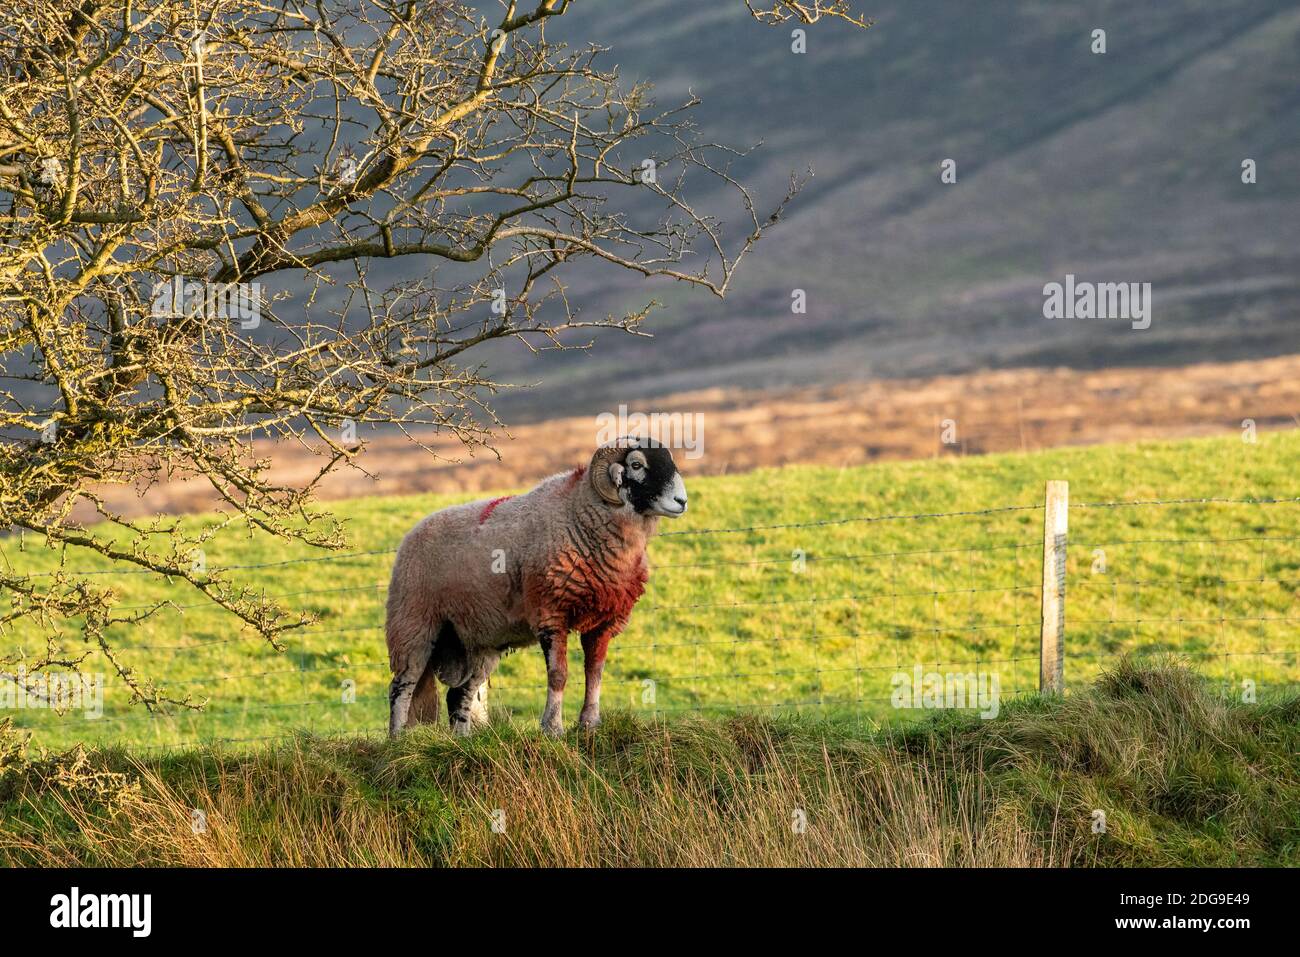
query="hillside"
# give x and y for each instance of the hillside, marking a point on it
(840, 424)
(1116, 167)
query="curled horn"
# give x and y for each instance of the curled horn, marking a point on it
(605, 456)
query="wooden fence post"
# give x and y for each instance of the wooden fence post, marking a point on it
(1051, 649)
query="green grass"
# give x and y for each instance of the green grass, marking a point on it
(729, 622)
(1180, 774)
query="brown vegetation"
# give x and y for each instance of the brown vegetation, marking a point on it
(846, 424)
(1184, 777)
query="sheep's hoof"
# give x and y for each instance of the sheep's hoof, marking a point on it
(553, 729)
(461, 729)
(588, 722)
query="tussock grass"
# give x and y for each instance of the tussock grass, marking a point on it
(1183, 776)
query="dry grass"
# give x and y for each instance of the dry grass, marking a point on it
(1000, 411)
(688, 806)
(1184, 777)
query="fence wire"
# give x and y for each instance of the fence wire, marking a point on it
(774, 618)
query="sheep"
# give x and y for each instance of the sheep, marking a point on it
(474, 581)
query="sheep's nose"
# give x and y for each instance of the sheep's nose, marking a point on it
(680, 500)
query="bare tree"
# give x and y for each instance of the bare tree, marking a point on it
(165, 164)
(805, 11)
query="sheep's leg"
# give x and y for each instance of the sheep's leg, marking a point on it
(467, 703)
(405, 677)
(594, 645)
(459, 701)
(555, 649)
(478, 711)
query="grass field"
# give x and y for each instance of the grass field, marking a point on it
(813, 618)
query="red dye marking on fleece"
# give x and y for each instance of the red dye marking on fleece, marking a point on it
(583, 594)
(487, 509)
(575, 476)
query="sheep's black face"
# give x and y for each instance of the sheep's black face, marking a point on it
(650, 482)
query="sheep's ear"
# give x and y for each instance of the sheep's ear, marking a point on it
(616, 471)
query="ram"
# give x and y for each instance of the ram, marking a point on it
(474, 581)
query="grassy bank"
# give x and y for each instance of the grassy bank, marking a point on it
(1182, 775)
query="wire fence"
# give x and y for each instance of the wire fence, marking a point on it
(863, 618)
